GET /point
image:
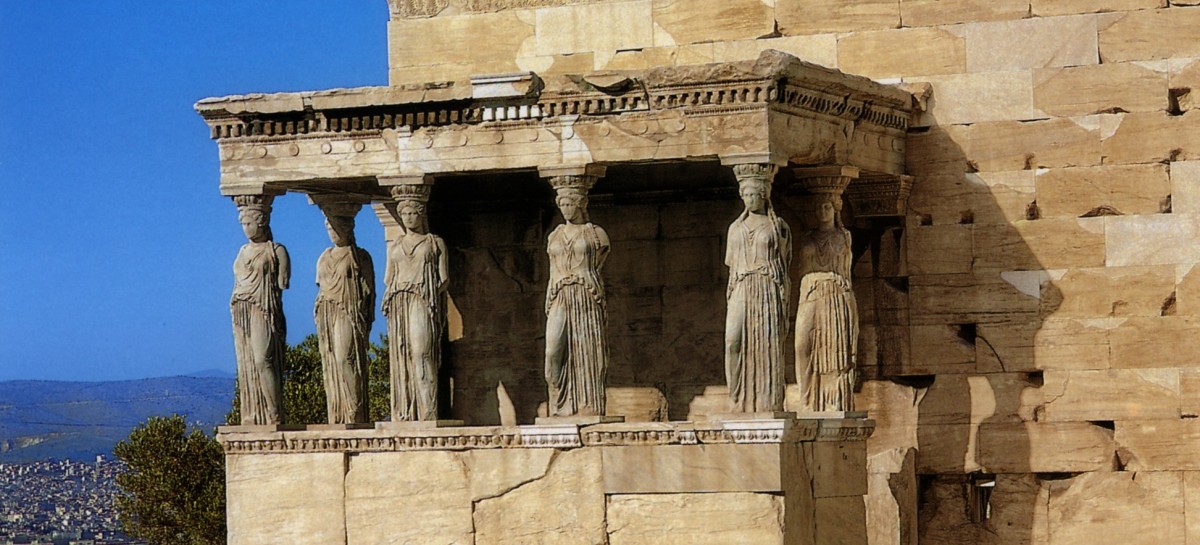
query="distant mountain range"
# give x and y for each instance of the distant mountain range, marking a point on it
(78, 420)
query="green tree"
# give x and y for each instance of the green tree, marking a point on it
(174, 484)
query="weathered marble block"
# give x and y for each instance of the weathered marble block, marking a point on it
(730, 481)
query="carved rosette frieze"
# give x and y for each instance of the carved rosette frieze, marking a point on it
(879, 196)
(553, 436)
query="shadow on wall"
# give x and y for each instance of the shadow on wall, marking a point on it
(958, 457)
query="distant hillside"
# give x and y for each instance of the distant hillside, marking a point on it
(78, 420)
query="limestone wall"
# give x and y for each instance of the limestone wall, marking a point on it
(762, 482)
(1050, 388)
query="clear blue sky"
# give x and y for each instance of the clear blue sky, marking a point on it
(115, 244)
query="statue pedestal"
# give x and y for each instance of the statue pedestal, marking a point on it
(259, 428)
(339, 427)
(418, 424)
(577, 420)
(781, 481)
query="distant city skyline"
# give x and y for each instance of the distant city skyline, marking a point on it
(115, 244)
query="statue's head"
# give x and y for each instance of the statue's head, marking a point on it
(573, 204)
(340, 229)
(254, 213)
(413, 216)
(827, 207)
(411, 203)
(756, 194)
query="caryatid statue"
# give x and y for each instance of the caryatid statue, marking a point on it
(758, 252)
(415, 305)
(827, 315)
(260, 274)
(344, 312)
(576, 317)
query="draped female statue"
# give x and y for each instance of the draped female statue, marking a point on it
(260, 274)
(576, 347)
(758, 251)
(827, 317)
(415, 306)
(344, 311)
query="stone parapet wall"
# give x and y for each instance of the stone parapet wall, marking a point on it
(1046, 278)
(765, 481)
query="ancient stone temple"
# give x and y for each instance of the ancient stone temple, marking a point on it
(689, 271)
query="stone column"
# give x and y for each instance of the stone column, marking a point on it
(415, 302)
(576, 363)
(344, 311)
(758, 253)
(261, 272)
(827, 314)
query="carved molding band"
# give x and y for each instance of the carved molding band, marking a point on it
(563, 437)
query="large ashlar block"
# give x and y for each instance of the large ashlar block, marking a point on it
(549, 65)
(815, 48)
(941, 348)
(891, 509)
(1189, 392)
(681, 22)
(1050, 343)
(1045, 447)
(1015, 145)
(969, 299)
(841, 521)
(1185, 74)
(1187, 290)
(1158, 341)
(939, 249)
(703, 468)
(1151, 137)
(839, 469)
(1159, 239)
(905, 52)
(976, 198)
(450, 41)
(1039, 244)
(894, 408)
(820, 16)
(917, 13)
(1028, 44)
(1104, 88)
(564, 507)
(1104, 190)
(1191, 502)
(428, 486)
(1159, 445)
(702, 519)
(937, 152)
(1108, 395)
(979, 96)
(1185, 187)
(1151, 34)
(1047, 8)
(1126, 507)
(993, 398)
(264, 506)
(1112, 291)
(947, 448)
(602, 28)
